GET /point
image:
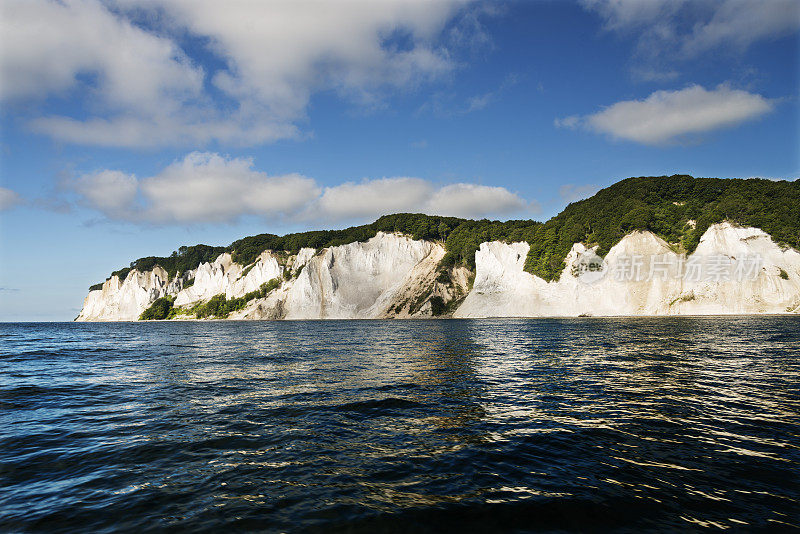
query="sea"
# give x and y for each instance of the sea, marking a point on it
(498, 425)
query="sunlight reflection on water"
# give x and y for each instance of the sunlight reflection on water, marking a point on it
(509, 424)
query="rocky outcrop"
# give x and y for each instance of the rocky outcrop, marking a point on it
(358, 280)
(733, 271)
(125, 300)
(387, 276)
(224, 276)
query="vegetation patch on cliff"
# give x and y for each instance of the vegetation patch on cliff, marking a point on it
(217, 306)
(180, 261)
(159, 310)
(220, 307)
(461, 237)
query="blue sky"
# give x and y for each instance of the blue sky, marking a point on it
(131, 128)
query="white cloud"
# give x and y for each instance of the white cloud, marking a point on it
(201, 188)
(8, 199)
(666, 116)
(206, 187)
(474, 201)
(691, 27)
(111, 192)
(279, 53)
(743, 22)
(48, 46)
(143, 131)
(653, 74)
(141, 89)
(621, 15)
(371, 198)
(444, 104)
(571, 122)
(209, 188)
(574, 192)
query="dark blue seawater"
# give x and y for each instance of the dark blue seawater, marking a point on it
(401, 426)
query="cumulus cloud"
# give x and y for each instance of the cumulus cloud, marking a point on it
(474, 201)
(209, 188)
(666, 116)
(8, 199)
(203, 187)
(372, 198)
(48, 46)
(111, 192)
(142, 89)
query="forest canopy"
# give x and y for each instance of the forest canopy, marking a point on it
(663, 205)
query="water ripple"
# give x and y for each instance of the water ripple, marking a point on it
(394, 426)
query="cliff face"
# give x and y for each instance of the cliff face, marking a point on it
(733, 270)
(359, 280)
(224, 276)
(386, 276)
(125, 300)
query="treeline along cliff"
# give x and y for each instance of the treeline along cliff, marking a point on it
(643, 246)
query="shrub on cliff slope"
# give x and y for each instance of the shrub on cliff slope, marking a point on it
(160, 309)
(220, 307)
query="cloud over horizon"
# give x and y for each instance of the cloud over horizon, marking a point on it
(668, 116)
(205, 187)
(145, 87)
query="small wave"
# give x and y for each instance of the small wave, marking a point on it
(391, 403)
(785, 336)
(625, 426)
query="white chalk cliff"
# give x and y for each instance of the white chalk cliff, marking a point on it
(733, 270)
(653, 279)
(120, 300)
(359, 280)
(224, 276)
(387, 276)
